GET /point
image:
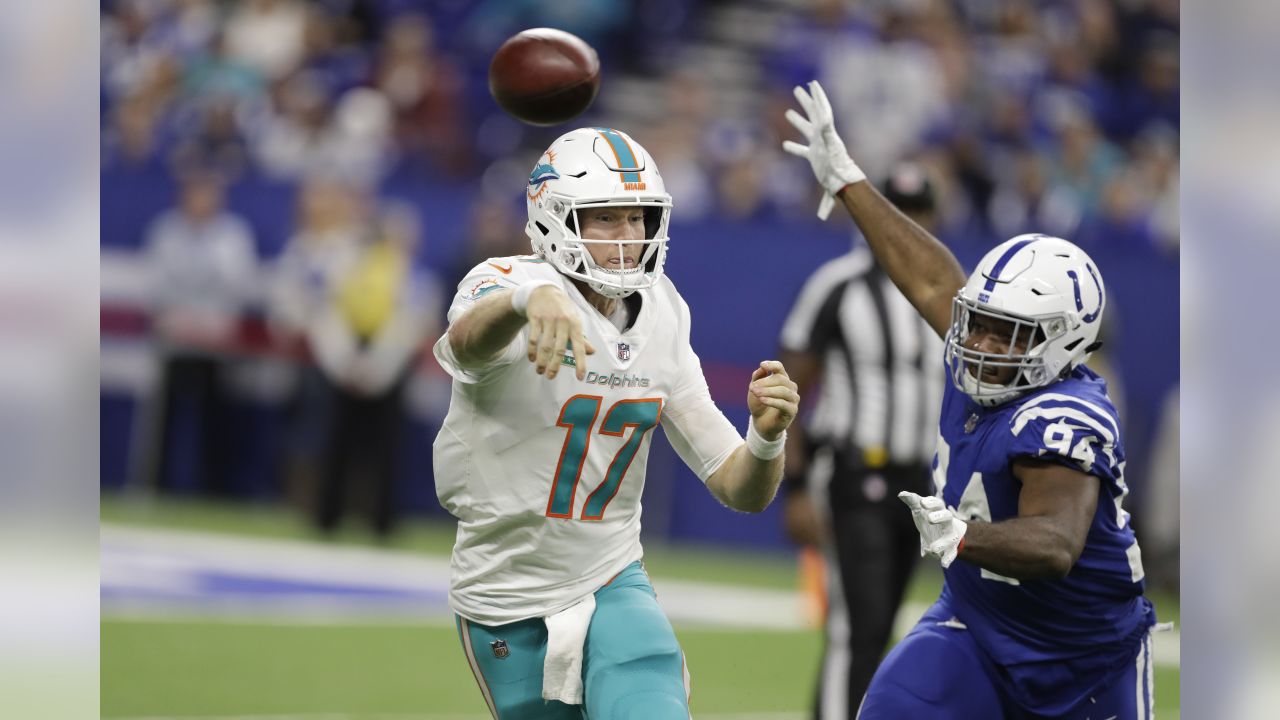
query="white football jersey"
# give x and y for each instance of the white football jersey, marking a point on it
(545, 476)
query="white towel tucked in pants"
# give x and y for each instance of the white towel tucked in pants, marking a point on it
(566, 634)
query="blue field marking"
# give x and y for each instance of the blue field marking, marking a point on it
(147, 570)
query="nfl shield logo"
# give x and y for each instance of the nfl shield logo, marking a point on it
(500, 649)
(624, 351)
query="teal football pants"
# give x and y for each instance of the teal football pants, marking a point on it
(632, 666)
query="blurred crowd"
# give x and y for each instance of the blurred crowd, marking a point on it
(291, 89)
(282, 154)
(1059, 115)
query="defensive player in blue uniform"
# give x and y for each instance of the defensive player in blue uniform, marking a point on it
(1042, 614)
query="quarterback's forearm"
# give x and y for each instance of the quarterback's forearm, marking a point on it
(1025, 548)
(485, 330)
(921, 266)
(745, 482)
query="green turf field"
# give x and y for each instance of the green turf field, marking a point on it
(248, 670)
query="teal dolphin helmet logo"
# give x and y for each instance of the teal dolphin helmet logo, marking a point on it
(542, 173)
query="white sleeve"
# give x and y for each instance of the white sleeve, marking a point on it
(482, 280)
(701, 435)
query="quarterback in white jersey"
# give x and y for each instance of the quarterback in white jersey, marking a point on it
(563, 362)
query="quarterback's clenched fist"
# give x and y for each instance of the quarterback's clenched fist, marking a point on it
(940, 530)
(772, 399)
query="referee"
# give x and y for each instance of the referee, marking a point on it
(870, 435)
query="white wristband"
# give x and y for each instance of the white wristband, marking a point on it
(761, 448)
(520, 298)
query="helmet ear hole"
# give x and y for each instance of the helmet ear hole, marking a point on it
(542, 229)
(652, 222)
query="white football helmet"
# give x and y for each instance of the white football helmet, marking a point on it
(597, 167)
(1051, 292)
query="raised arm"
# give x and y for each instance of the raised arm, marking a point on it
(481, 333)
(921, 266)
(485, 330)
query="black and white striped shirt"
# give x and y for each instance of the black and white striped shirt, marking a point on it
(882, 363)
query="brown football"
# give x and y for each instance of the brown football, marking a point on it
(544, 76)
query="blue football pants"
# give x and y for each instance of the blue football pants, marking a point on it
(632, 665)
(937, 672)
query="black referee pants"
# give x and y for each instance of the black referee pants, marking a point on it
(875, 548)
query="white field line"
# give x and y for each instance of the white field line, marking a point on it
(161, 571)
(168, 562)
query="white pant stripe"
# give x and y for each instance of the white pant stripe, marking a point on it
(1140, 674)
(1145, 682)
(834, 701)
(1151, 682)
(688, 681)
(475, 666)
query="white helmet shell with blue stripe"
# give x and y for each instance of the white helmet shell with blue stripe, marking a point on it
(588, 168)
(1052, 294)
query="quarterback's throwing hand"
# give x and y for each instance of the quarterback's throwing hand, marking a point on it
(825, 152)
(772, 399)
(554, 324)
(940, 530)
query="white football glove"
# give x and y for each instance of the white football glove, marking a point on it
(940, 530)
(825, 152)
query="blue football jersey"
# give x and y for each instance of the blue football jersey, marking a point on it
(1053, 639)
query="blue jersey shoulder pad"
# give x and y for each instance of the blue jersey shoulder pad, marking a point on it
(1072, 422)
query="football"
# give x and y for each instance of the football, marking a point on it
(544, 76)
